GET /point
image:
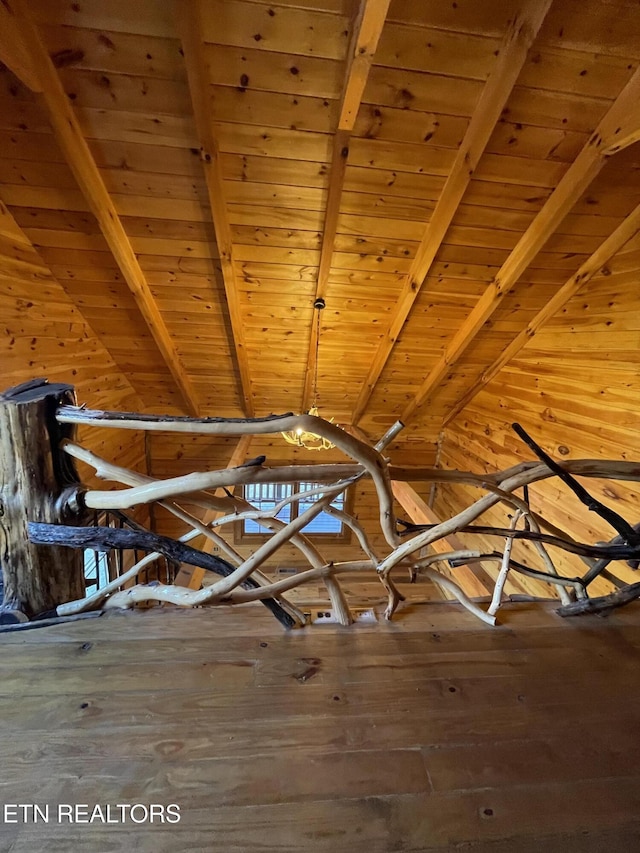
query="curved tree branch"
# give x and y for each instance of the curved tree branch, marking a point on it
(619, 524)
(370, 458)
(108, 538)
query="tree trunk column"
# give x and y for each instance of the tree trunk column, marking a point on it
(33, 476)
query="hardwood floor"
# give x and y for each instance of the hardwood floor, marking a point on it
(433, 732)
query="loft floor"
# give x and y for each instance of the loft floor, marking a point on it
(433, 732)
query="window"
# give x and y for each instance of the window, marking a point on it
(96, 570)
(266, 496)
(101, 567)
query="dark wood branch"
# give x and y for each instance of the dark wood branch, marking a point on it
(613, 552)
(603, 603)
(600, 565)
(48, 622)
(108, 538)
(545, 577)
(619, 524)
(256, 462)
(530, 472)
(608, 576)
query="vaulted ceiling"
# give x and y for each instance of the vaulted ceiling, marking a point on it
(196, 173)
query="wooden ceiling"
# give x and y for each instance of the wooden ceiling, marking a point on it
(195, 173)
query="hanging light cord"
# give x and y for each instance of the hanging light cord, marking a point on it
(318, 305)
(299, 437)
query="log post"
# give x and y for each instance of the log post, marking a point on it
(35, 477)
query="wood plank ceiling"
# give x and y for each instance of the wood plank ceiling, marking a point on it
(436, 172)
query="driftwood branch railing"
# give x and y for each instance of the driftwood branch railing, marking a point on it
(43, 518)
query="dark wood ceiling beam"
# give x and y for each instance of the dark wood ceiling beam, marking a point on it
(362, 47)
(617, 124)
(76, 152)
(512, 56)
(189, 19)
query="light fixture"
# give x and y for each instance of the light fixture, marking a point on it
(299, 436)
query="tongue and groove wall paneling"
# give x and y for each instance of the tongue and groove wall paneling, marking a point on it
(415, 111)
(69, 136)
(45, 334)
(41, 194)
(574, 388)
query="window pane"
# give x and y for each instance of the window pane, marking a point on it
(265, 497)
(338, 502)
(96, 569)
(255, 493)
(324, 523)
(90, 567)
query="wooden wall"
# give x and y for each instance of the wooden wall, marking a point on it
(43, 334)
(574, 388)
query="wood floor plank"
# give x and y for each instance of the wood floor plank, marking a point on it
(99, 651)
(155, 739)
(407, 822)
(216, 676)
(594, 752)
(286, 777)
(161, 839)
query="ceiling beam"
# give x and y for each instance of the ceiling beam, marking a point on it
(592, 266)
(620, 128)
(13, 52)
(74, 147)
(367, 30)
(576, 180)
(189, 20)
(512, 56)
(364, 40)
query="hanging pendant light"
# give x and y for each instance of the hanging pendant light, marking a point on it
(299, 436)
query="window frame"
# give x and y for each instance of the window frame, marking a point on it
(241, 537)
